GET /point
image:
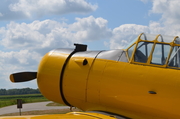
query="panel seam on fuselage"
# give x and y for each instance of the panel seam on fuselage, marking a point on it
(89, 73)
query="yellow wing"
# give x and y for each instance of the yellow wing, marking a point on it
(71, 115)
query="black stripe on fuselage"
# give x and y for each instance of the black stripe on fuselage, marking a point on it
(78, 48)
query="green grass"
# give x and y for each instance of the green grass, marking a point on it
(29, 98)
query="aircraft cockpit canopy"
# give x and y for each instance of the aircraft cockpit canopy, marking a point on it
(155, 50)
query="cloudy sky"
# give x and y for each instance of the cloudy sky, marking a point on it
(30, 28)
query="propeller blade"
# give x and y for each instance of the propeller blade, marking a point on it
(23, 76)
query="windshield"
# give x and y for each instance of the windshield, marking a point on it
(131, 43)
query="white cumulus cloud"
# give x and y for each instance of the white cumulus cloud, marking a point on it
(124, 34)
(170, 15)
(168, 24)
(21, 9)
(49, 34)
(90, 29)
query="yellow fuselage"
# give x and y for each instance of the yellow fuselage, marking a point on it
(133, 90)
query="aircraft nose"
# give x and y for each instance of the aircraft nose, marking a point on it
(51, 70)
(50, 73)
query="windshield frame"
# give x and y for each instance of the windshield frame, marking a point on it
(158, 39)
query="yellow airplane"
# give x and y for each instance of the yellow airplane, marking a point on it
(141, 81)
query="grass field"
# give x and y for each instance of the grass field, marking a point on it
(28, 98)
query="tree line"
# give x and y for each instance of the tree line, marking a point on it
(19, 91)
